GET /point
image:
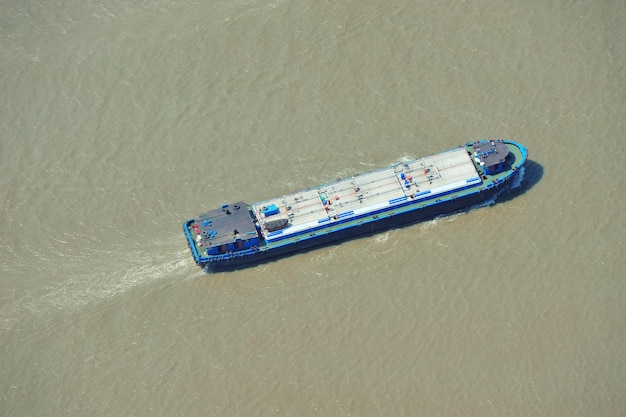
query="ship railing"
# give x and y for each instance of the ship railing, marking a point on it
(190, 241)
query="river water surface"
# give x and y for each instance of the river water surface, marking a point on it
(119, 119)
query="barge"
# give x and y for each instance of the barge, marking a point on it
(239, 233)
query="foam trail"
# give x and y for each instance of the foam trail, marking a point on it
(97, 283)
(85, 289)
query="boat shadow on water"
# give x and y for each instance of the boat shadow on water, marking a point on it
(533, 173)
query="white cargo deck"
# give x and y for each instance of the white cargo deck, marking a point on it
(370, 192)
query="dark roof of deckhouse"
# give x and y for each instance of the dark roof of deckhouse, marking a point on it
(492, 152)
(221, 226)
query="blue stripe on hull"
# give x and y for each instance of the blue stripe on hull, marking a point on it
(413, 216)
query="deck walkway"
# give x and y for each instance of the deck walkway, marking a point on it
(371, 191)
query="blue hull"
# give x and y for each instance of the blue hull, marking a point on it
(411, 217)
